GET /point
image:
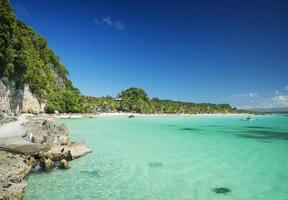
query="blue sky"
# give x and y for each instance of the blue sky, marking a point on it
(201, 51)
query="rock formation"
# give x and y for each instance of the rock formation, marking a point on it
(56, 150)
(18, 99)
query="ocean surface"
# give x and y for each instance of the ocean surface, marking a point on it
(172, 158)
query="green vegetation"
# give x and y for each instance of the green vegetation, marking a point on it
(26, 59)
(136, 100)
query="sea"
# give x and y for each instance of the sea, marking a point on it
(197, 157)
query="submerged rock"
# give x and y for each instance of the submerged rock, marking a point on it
(155, 164)
(221, 190)
(131, 116)
(91, 173)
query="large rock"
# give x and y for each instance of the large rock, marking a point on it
(47, 164)
(18, 99)
(30, 103)
(67, 152)
(47, 132)
(13, 169)
(64, 164)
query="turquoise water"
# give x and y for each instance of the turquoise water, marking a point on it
(173, 158)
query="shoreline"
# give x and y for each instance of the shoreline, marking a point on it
(108, 114)
(33, 141)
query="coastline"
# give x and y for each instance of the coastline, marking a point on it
(107, 114)
(33, 142)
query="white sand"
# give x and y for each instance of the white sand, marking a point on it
(13, 129)
(165, 114)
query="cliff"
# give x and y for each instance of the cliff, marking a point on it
(30, 72)
(18, 100)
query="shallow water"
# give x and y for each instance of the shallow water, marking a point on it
(173, 158)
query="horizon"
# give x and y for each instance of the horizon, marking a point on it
(229, 52)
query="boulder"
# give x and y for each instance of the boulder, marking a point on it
(30, 103)
(48, 125)
(64, 164)
(64, 140)
(47, 164)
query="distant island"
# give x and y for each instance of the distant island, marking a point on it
(33, 80)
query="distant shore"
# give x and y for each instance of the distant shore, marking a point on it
(87, 115)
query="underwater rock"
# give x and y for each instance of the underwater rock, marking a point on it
(155, 164)
(90, 173)
(221, 190)
(131, 116)
(188, 129)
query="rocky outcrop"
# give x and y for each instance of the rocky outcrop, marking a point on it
(5, 118)
(46, 132)
(64, 164)
(30, 104)
(48, 147)
(47, 164)
(13, 168)
(18, 99)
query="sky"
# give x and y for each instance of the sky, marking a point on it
(224, 51)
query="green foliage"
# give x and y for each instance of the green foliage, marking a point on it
(26, 59)
(136, 100)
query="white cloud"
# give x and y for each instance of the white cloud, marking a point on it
(249, 94)
(252, 94)
(107, 22)
(280, 101)
(277, 92)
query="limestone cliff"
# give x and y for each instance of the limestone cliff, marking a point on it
(18, 100)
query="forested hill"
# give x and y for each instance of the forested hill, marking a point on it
(25, 58)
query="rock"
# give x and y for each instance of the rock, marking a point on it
(48, 124)
(47, 164)
(6, 118)
(64, 164)
(78, 149)
(155, 164)
(131, 116)
(71, 151)
(30, 103)
(56, 112)
(31, 161)
(64, 140)
(62, 129)
(18, 99)
(221, 190)
(13, 169)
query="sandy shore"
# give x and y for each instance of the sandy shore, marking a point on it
(81, 116)
(137, 114)
(13, 129)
